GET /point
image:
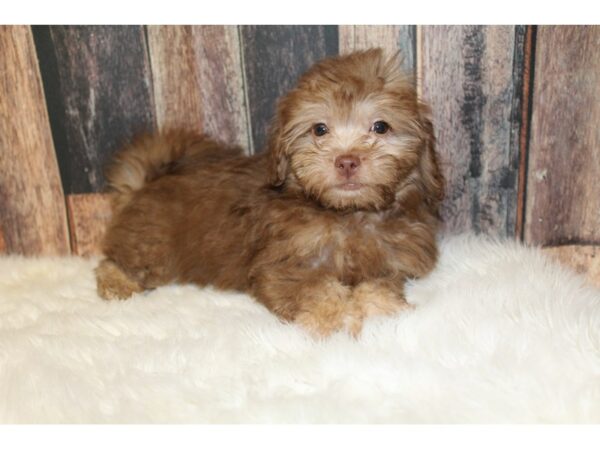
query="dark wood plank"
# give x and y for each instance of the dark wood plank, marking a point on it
(99, 93)
(472, 77)
(198, 80)
(584, 259)
(274, 58)
(89, 215)
(32, 209)
(526, 101)
(563, 194)
(391, 38)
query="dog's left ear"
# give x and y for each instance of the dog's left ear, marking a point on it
(277, 159)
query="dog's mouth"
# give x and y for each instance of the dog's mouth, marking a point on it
(349, 186)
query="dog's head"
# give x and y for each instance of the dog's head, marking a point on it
(353, 135)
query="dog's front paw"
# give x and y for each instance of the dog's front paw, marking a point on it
(322, 323)
(376, 299)
(113, 284)
(327, 308)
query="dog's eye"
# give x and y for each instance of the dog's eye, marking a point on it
(320, 129)
(380, 127)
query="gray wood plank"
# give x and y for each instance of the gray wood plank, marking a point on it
(391, 38)
(98, 89)
(472, 77)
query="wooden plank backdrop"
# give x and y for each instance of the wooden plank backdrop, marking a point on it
(525, 100)
(32, 208)
(99, 93)
(563, 200)
(198, 80)
(88, 215)
(472, 78)
(585, 259)
(515, 111)
(392, 38)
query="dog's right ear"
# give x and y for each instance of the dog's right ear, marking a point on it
(431, 175)
(277, 159)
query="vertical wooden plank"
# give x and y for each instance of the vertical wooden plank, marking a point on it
(175, 77)
(89, 215)
(32, 209)
(584, 259)
(198, 80)
(563, 194)
(274, 57)
(528, 70)
(472, 77)
(98, 89)
(389, 37)
(347, 38)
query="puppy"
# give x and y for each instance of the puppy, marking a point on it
(323, 228)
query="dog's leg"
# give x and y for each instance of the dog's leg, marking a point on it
(318, 302)
(380, 297)
(326, 307)
(114, 284)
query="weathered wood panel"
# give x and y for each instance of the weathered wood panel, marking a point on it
(32, 209)
(585, 259)
(389, 37)
(526, 100)
(274, 58)
(98, 89)
(472, 77)
(563, 201)
(198, 80)
(89, 215)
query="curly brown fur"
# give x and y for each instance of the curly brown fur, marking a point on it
(322, 228)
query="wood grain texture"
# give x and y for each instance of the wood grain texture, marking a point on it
(198, 80)
(563, 194)
(32, 209)
(584, 259)
(274, 58)
(472, 77)
(98, 89)
(524, 132)
(389, 37)
(89, 215)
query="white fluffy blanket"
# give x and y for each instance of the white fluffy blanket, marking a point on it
(500, 334)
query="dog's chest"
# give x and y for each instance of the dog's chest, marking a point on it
(353, 249)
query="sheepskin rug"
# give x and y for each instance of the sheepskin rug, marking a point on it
(499, 334)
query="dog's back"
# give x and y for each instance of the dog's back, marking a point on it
(168, 192)
(150, 156)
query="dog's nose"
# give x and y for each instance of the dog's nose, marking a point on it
(347, 165)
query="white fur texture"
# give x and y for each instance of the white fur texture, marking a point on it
(500, 334)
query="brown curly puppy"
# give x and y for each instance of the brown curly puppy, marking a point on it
(323, 228)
